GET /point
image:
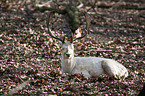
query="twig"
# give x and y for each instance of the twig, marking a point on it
(42, 9)
(44, 4)
(19, 87)
(113, 51)
(71, 12)
(80, 5)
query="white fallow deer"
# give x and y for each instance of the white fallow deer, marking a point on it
(88, 66)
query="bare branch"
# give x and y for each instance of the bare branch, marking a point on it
(19, 87)
(80, 5)
(42, 9)
(44, 4)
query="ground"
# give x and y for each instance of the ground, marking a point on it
(29, 57)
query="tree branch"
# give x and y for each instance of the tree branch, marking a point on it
(19, 87)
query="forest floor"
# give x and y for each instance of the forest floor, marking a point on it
(30, 59)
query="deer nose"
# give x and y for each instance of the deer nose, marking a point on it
(68, 54)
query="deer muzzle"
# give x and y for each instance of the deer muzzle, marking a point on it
(67, 55)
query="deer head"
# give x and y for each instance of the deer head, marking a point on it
(67, 50)
(67, 46)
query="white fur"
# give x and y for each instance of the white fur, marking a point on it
(89, 66)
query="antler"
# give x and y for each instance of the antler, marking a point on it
(87, 27)
(71, 38)
(49, 32)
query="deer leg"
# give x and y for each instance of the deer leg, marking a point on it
(114, 68)
(109, 67)
(85, 73)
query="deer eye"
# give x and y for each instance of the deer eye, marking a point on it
(62, 48)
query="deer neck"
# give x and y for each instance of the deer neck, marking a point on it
(68, 64)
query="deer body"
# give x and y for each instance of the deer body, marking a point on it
(89, 66)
